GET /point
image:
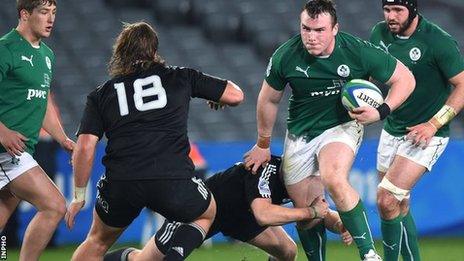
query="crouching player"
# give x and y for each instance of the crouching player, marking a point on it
(248, 209)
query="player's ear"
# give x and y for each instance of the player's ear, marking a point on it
(335, 29)
(24, 15)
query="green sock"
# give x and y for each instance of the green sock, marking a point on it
(355, 222)
(392, 236)
(313, 241)
(409, 245)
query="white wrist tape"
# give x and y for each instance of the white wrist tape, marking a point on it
(79, 194)
(445, 114)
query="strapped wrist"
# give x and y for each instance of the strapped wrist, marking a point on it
(314, 212)
(263, 142)
(79, 194)
(384, 110)
(443, 116)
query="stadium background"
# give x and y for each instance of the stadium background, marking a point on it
(234, 40)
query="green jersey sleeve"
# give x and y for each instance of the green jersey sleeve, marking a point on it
(6, 61)
(274, 75)
(449, 58)
(379, 64)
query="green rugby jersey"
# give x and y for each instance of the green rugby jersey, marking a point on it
(433, 57)
(25, 76)
(316, 82)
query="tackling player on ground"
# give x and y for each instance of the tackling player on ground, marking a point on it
(322, 140)
(416, 134)
(26, 68)
(248, 209)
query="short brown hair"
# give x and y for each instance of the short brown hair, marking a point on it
(29, 5)
(135, 49)
(316, 7)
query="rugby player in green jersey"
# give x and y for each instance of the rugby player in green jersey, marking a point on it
(322, 139)
(416, 134)
(26, 66)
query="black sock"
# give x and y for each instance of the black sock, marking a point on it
(118, 255)
(185, 240)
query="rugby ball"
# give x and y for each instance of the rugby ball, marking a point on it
(357, 93)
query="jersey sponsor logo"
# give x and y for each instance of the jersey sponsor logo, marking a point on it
(299, 69)
(33, 93)
(331, 90)
(269, 66)
(343, 70)
(384, 46)
(46, 83)
(48, 62)
(27, 59)
(415, 54)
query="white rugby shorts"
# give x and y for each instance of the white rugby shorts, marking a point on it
(300, 156)
(389, 146)
(13, 167)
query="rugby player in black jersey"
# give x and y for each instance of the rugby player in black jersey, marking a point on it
(143, 112)
(248, 209)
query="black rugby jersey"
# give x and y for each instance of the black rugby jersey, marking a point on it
(235, 188)
(144, 117)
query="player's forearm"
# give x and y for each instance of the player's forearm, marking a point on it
(52, 124)
(276, 215)
(456, 99)
(402, 84)
(82, 160)
(453, 104)
(266, 117)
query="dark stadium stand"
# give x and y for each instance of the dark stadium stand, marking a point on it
(230, 39)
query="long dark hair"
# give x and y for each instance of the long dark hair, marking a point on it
(135, 49)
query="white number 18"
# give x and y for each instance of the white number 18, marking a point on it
(139, 93)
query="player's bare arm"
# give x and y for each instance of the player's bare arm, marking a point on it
(267, 106)
(53, 126)
(268, 214)
(402, 84)
(82, 159)
(422, 134)
(232, 96)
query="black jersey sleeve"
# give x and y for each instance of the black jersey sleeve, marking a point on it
(206, 86)
(91, 122)
(266, 183)
(257, 186)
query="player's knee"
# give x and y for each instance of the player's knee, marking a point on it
(333, 184)
(287, 251)
(56, 208)
(404, 206)
(386, 201)
(98, 243)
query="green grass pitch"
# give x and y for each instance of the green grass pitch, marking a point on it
(448, 249)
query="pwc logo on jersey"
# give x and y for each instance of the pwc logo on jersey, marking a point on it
(33, 93)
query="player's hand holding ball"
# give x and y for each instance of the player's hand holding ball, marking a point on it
(363, 100)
